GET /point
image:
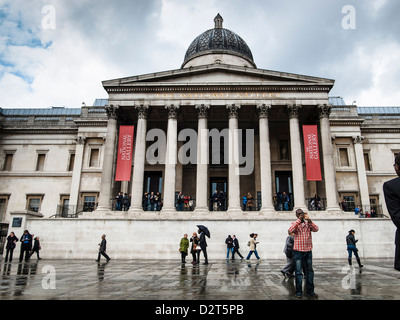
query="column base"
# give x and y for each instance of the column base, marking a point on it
(333, 210)
(201, 210)
(267, 211)
(234, 210)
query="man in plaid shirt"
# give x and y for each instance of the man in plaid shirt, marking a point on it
(302, 251)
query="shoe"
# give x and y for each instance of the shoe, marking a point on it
(290, 276)
(312, 296)
(284, 274)
(108, 260)
(298, 296)
(97, 260)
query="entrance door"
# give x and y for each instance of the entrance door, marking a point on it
(219, 184)
(283, 183)
(152, 182)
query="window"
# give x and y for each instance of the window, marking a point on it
(3, 207)
(89, 203)
(366, 161)
(94, 158)
(40, 162)
(8, 161)
(349, 202)
(343, 157)
(71, 162)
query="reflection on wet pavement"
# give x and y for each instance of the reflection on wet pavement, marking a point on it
(171, 280)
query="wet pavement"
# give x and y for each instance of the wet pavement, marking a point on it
(171, 280)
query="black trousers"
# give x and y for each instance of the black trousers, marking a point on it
(37, 253)
(104, 254)
(204, 249)
(9, 251)
(25, 248)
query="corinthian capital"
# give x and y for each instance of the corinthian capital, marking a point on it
(80, 139)
(143, 111)
(233, 110)
(324, 110)
(358, 139)
(293, 110)
(112, 111)
(262, 110)
(173, 111)
(202, 110)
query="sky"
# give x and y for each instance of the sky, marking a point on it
(57, 52)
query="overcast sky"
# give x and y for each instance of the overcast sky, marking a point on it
(57, 52)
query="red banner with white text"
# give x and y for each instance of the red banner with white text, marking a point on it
(124, 158)
(311, 148)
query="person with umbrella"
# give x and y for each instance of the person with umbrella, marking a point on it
(203, 232)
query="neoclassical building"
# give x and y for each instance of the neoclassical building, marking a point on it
(238, 128)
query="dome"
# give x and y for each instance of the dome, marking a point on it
(219, 41)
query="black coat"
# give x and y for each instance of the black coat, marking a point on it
(236, 243)
(229, 242)
(103, 245)
(11, 240)
(202, 241)
(26, 240)
(391, 190)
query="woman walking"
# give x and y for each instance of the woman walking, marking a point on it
(253, 245)
(351, 247)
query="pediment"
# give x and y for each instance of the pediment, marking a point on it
(217, 75)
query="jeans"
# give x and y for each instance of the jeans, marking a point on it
(303, 261)
(352, 248)
(251, 252)
(227, 252)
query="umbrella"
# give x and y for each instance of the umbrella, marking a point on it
(204, 229)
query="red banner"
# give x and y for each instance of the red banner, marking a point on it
(124, 159)
(311, 148)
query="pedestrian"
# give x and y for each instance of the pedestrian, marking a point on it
(288, 269)
(391, 190)
(286, 200)
(119, 198)
(26, 246)
(250, 203)
(183, 247)
(36, 248)
(302, 252)
(102, 249)
(215, 200)
(203, 245)
(236, 248)
(351, 248)
(126, 202)
(180, 201)
(10, 246)
(244, 203)
(229, 246)
(253, 246)
(195, 243)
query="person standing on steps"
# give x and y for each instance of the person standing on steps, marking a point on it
(102, 249)
(351, 248)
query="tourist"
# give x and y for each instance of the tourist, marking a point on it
(186, 199)
(288, 269)
(236, 248)
(244, 203)
(119, 198)
(302, 251)
(102, 249)
(183, 247)
(391, 190)
(253, 246)
(195, 242)
(286, 200)
(221, 201)
(26, 246)
(10, 246)
(203, 245)
(214, 199)
(36, 248)
(126, 202)
(180, 201)
(229, 246)
(351, 248)
(250, 202)
(158, 202)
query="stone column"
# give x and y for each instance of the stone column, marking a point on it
(139, 158)
(234, 171)
(202, 159)
(327, 156)
(361, 173)
(267, 205)
(297, 159)
(104, 201)
(170, 159)
(76, 173)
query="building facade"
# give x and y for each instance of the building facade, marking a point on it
(216, 123)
